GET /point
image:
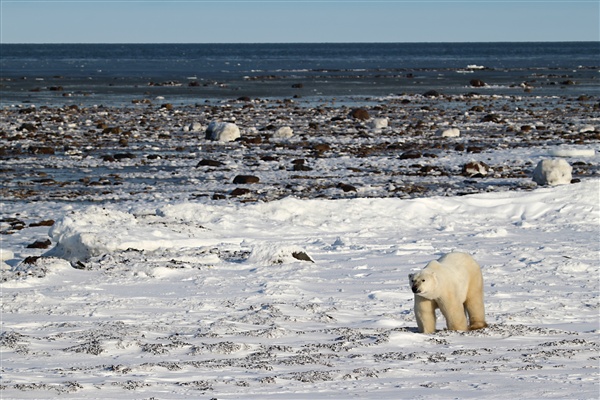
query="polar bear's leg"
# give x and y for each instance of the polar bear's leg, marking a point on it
(425, 314)
(454, 312)
(476, 311)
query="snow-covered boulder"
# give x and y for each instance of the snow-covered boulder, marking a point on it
(552, 172)
(448, 132)
(587, 129)
(193, 127)
(285, 132)
(378, 123)
(222, 131)
(276, 253)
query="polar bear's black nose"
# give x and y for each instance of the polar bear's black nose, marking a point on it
(415, 289)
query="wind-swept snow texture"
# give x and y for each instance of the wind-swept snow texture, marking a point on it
(193, 300)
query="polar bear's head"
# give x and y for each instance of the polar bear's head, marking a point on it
(423, 283)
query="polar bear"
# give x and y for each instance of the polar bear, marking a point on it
(453, 284)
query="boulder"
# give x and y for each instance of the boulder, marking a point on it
(410, 154)
(243, 179)
(448, 132)
(491, 118)
(360, 113)
(378, 123)
(346, 188)
(285, 132)
(222, 131)
(432, 93)
(193, 127)
(552, 172)
(475, 169)
(209, 163)
(477, 83)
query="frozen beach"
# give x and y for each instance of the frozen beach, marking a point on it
(143, 260)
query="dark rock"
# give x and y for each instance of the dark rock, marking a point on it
(297, 86)
(48, 222)
(251, 140)
(474, 149)
(41, 150)
(526, 128)
(360, 114)
(245, 179)
(209, 163)
(108, 158)
(430, 170)
(477, 83)
(243, 98)
(299, 165)
(122, 156)
(239, 192)
(432, 93)
(567, 82)
(347, 188)
(410, 155)
(40, 244)
(27, 127)
(111, 130)
(31, 260)
(302, 256)
(475, 169)
(321, 147)
(495, 118)
(269, 127)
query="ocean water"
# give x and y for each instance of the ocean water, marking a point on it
(117, 74)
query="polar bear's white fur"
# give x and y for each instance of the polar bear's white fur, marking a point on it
(453, 284)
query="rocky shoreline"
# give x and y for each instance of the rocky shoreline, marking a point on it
(396, 146)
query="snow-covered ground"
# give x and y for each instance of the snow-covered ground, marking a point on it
(173, 300)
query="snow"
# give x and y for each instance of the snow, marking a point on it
(142, 299)
(571, 152)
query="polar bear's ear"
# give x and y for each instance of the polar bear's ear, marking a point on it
(411, 276)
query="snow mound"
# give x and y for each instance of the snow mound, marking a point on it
(96, 231)
(273, 231)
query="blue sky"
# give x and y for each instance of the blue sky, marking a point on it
(223, 21)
